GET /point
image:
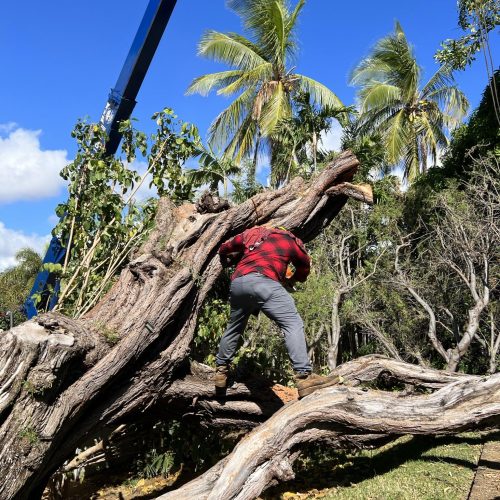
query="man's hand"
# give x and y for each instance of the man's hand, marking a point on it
(289, 284)
(229, 259)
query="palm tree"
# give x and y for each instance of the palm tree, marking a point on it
(213, 169)
(413, 120)
(296, 140)
(261, 78)
(314, 120)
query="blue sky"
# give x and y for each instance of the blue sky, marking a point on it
(61, 58)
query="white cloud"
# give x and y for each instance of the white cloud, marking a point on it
(331, 140)
(5, 128)
(11, 241)
(26, 171)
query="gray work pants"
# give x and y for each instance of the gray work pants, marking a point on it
(252, 293)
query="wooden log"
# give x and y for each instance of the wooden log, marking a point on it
(250, 402)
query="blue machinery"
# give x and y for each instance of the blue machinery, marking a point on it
(121, 102)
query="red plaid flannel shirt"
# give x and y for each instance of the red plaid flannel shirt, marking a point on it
(271, 257)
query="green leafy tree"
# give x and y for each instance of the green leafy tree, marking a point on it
(15, 285)
(261, 77)
(101, 223)
(480, 136)
(413, 119)
(477, 18)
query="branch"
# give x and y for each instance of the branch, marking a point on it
(360, 192)
(431, 332)
(268, 452)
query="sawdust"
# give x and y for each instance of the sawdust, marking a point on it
(286, 394)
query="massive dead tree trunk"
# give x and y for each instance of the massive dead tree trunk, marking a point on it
(247, 404)
(60, 381)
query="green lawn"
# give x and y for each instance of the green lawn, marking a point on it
(409, 468)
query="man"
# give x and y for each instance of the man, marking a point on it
(258, 284)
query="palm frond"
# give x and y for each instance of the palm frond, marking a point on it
(432, 135)
(320, 93)
(242, 143)
(204, 84)
(367, 70)
(395, 136)
(248, 43)
(410, 159)
(452, 101)
(229, 120)
(198, 177)
(275, 36)
(442, 78)
(253, 77)
(230, 49)
(379, 95)
(376, 120)
(292, 18)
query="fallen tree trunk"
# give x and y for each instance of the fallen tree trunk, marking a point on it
(61, 381)
(342, 415)
(250, 402)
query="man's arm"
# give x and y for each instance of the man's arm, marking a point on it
(234, 245)
(302, 263)
(231, 251)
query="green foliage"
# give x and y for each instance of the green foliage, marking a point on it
(101, 221)
(173, 143)
(212, 322)
(32, 389)
(111, 335)
(245, 184)
(369, 149)
(15, 285)
(479, 137)
(30, 434)
(158, 464)
(263, 351)
(477, 18)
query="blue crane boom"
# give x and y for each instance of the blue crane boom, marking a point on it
(121, 102)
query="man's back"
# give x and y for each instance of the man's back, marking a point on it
(270, 257)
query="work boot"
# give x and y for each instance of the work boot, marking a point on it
(221, 373)
(307, 383)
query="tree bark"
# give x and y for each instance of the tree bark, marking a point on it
(60, 379)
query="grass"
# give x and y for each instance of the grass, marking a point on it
(110, 335)
(30, 434)
(409, 468)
